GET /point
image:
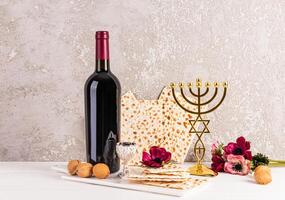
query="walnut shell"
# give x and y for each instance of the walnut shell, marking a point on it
(262, 175)
(84, 170)
(262, 168)
(101, 171)
(72, 166)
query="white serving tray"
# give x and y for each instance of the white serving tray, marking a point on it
(116, 182)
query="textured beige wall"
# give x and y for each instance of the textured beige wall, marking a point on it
(47, 52)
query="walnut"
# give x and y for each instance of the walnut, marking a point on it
(84, 170)
(101, 171)
(72, 166)
(262, 174)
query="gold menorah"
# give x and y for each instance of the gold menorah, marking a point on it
(199, 147)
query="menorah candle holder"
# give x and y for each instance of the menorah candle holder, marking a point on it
(199, 107)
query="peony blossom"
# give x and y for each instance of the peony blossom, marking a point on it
(241, 147)
(237, 164)
(156, 157)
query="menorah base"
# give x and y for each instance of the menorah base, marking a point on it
(201, 170)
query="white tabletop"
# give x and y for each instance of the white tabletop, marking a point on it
(36, 181)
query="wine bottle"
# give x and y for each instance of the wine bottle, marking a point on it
(102, 109)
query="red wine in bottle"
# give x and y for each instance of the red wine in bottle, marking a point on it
(102, 109)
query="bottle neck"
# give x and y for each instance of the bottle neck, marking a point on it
(102, 52)
(102, 65)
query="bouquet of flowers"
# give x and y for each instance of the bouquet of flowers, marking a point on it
(236, 158)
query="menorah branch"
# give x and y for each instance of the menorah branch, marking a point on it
(220, 102)
(212, 98)
(191, 92)
(180, 105)
(206, 92)
(186, 99)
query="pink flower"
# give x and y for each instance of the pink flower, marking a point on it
(217, 148)
(213, 148)
(156, 157)
(237, 164)
(217, 163)
(241, 147)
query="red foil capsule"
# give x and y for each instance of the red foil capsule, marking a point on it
(102, 45)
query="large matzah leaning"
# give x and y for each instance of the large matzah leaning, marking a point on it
(158, 122)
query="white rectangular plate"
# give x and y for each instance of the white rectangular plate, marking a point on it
(116, 182)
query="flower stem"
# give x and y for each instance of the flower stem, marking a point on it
(279, 161)
(276, 163)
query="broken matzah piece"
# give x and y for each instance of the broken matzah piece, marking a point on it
(158, 122)
(168, 169)
(189, 183)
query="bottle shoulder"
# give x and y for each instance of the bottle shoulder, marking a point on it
(115, 79)
(103, 77)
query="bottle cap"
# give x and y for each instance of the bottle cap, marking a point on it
(102, 35)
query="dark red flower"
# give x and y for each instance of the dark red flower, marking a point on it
(241, 147)
(217, 163)
(156, 157)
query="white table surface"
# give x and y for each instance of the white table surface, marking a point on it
(36, 181)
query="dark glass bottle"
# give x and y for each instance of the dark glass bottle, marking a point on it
(102, 109)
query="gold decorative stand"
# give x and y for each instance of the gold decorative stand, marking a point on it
(199, 147)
